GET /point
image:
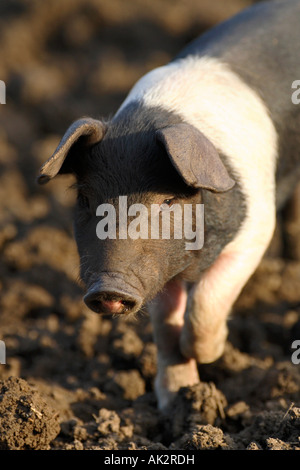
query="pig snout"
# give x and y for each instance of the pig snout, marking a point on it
(112, 299)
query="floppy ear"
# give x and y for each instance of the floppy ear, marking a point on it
(195, 157)
(91, 129)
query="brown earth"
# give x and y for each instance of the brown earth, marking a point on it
(74, 380)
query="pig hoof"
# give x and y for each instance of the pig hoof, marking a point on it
(205, 348)
(171, 378)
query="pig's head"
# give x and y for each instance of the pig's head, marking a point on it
(121, 163)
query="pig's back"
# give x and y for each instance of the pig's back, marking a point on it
(262, 46)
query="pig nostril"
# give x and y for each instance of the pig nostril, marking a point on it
(128, 304)
(93, 302)
(94, 305)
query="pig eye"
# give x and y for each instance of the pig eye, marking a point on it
(83, 201)
(167, 202)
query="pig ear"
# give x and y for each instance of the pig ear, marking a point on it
(195, 157)
(91, 129)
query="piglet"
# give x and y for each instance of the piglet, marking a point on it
(213, 134)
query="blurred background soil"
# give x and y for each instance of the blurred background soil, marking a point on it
(72, 379)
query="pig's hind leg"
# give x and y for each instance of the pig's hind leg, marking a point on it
(173, 369)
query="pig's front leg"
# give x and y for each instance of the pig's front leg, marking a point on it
(173, 369)
(210, 301)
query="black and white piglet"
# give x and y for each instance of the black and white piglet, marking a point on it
(216, 126)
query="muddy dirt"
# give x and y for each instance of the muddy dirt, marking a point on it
(72, 379)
